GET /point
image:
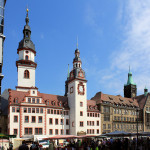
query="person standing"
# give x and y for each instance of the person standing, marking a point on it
(23, 146)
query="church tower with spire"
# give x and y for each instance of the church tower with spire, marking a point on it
(26, 64)
(77, 97)
(130, 89)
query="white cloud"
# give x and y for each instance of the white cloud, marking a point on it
(135, 47)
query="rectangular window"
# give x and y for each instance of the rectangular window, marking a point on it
(33, 100)
(50, 120)
(109, 126)
(29, 110)
(67, 131)
(97, 123)
(50, 131)
(33, 110)
(81, 104)
(15, 131)
(81, 123)
(48, 111)
(18, 110)
(51, 111)
(26, 119)
(88, 114)
(37, 110)
(28, 131)
(33, 119)
(54, 111)
(13, 109)
(15, 118)
(81, 113)
(62, 121)
(25, 110)
(38, 131)
(40, 119)
(95, 114)
(98, 115)
(56, 131)
(106, 117)
(104, 126)
(37, 100)
(41, 110)
(56, 121)
(57, 112)
(67, 121)
(106, 109)
(29, 100)
(97, 131)
(61, 131)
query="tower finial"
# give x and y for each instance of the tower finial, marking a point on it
(27, 18)
(77, 42)
(129, 68)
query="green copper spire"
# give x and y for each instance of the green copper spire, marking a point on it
(68, 71)
(130, 80)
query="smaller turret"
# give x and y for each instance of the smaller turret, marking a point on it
(145, 91)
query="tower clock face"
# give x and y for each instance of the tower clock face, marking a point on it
(80, 88)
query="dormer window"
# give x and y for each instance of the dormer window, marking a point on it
(33, 92)
(15, 100)
(52, 102)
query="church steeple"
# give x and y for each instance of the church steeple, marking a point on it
(130, 89)
(26, 41)
(26, 64)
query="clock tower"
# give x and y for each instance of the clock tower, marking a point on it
(77, 97)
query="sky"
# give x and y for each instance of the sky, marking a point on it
(111, 36)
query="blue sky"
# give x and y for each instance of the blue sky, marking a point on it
(111, 34)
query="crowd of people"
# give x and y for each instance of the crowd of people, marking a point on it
(107, 144)
(90, 144)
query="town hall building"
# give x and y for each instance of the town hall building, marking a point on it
(33, 113)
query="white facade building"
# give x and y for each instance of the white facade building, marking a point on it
(34, 113)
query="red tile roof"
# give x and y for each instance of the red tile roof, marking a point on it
(118, 100)
(20, 96)
(141, 99)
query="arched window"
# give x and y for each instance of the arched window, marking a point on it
(26, 74)
(26, 57)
